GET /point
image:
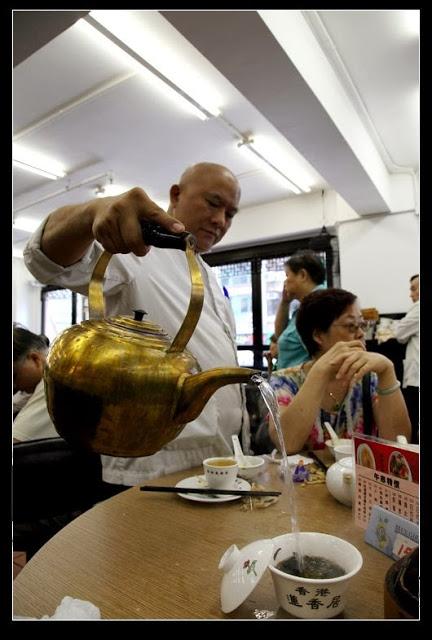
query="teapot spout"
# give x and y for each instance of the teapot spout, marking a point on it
(198, 388)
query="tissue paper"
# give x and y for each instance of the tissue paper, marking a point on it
(75, 609)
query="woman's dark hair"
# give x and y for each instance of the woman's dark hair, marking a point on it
(318, 310)
(414, 277)
(310, 262)
(25, 341)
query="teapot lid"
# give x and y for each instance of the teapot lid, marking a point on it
(137, 326)
(347, 461)
(243, 569)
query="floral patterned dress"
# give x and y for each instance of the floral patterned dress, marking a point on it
(348, 420)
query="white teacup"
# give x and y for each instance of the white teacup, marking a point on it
(221, 472)
(343, 450)
(307, 597)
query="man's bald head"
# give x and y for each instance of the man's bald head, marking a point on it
(198, 170)
(206, 200)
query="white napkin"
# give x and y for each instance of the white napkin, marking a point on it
(70, 609)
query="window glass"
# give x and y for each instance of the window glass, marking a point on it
(58, 312)
(245, 358)
(236, 281)
(252, 278)
(82, 312)
(272, 280)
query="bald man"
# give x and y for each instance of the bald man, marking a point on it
(65, 249)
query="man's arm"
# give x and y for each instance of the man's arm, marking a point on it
(113, 221)
(408, 326)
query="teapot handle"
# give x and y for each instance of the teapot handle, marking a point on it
(153, 234)
(196, 300)
(95, 294)
(97, 302)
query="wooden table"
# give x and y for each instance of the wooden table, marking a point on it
(145, 555)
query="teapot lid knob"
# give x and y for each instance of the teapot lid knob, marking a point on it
(139, 314)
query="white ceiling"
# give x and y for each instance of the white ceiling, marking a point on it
(87, 109)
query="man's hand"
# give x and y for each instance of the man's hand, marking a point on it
(116, 221)
(113, 221)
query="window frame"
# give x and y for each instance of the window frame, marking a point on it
(255, 255)
(74, 303)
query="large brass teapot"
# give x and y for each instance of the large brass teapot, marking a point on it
(120, 386)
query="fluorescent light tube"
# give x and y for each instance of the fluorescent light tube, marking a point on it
(135, 62)
(26, 224)
(283, 159)
(271, 171)
(17, 253)
(38, 163)
(38, 172)
(150, 36)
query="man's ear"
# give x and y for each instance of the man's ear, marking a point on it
(37, 358)
(174, 195)
(303, 274)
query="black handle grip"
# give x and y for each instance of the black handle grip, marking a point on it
(154, 234)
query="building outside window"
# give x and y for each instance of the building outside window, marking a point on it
(252, 279)
(61, 308)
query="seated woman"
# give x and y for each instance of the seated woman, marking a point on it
(328, 387)
(29, 355)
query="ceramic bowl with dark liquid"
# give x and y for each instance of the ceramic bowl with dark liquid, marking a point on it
(318, 597)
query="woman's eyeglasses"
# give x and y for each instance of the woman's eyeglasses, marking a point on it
(353, 327)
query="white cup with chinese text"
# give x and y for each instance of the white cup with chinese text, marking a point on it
(321, 597)
(220, 473)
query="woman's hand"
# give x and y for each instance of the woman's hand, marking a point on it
(350, 361)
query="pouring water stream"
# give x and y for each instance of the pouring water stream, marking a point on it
(270, 400)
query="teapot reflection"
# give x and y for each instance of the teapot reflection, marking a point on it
(120, 386)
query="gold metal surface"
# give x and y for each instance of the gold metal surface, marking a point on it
(96, 297)
(195, 305)
(120, 386)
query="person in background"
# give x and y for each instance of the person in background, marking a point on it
(328, 387)
(271, 354)
(29, 355)
(407, 332)
(304, 273)
(65, 249)
(20, 399)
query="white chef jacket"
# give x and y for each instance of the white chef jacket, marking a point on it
(407, 331)
(33, 421)
(159, 283)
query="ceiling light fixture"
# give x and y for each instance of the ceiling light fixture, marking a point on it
(247, 143)
(152, 75)
(68, 187)
(109, 190)
(26, 224)
(37, 163)
(35, 170)
(17, 253)
(322, 241)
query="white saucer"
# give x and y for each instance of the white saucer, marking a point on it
(199, 482)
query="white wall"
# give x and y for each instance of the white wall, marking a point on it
(26, 305)
(286, 219)
(378, 255)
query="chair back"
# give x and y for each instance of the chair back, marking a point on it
(51, 483)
